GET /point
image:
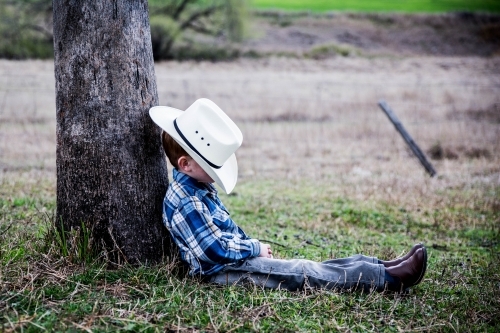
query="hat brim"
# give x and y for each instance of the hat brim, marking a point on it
(226, 176)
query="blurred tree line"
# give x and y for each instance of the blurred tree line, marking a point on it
(180, 29)
(25, 29)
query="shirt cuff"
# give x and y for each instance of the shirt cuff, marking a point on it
(255, 247)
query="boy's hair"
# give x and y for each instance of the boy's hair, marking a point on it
(172, 149)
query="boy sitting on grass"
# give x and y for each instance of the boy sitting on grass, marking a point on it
(200, 143)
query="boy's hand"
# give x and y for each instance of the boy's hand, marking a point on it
(265, 251)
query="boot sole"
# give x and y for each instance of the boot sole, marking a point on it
(422, 273)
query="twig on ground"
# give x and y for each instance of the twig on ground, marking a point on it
(274, 243)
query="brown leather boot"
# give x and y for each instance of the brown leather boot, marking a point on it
(410, 272)
(395, 262)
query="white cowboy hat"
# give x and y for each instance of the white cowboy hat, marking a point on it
(207, 134)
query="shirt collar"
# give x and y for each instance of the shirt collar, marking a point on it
(186, 180)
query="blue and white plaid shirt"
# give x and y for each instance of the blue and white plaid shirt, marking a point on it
(200, 225)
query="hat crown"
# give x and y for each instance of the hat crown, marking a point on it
(212, 134)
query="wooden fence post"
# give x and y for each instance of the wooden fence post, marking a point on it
(413, 146)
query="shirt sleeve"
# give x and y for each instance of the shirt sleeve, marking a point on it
(193, 223)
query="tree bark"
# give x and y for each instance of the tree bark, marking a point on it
(111, 172)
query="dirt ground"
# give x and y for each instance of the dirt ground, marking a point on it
(383, 34)
(311, 120)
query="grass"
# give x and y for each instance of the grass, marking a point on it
(43, 290)
(364, 194)
(381, 6)
(325, 51)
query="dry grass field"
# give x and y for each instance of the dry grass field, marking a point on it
(323, 174)
(306, 120)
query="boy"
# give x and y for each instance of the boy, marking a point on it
(200, 143)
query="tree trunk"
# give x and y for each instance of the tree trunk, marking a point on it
(111, 173)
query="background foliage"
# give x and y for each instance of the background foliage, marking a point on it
(180, 29)
(26, 29)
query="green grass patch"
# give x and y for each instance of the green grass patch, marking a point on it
(48, 291)
(328, 50)
(380, 6)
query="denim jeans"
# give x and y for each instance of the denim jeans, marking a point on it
(353, 273)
